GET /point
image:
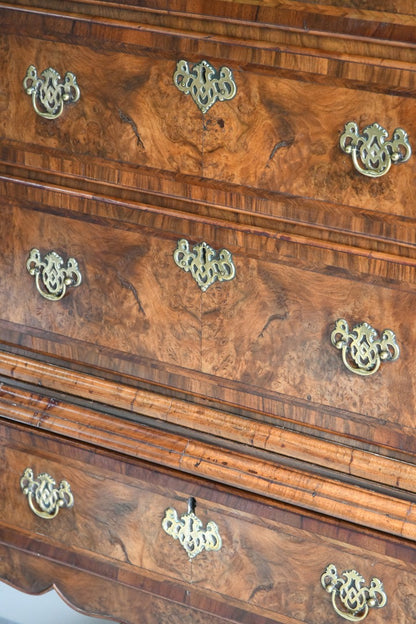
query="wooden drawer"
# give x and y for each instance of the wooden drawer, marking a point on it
(279, 136)
(261, 567)
(148, 393)
(259, 342)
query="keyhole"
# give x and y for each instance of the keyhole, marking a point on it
(191, 505)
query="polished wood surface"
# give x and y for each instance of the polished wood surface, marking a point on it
(141, 390)
(267, 153)
(263, 139)
(224, 462)
(115, 523)
(139, 405)
(96, 596)
(302, 17)
(260, 342)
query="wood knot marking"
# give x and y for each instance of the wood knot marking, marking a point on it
(126, 119)
(129, 286)
(271, 319)
(279, 146)
(260, 588)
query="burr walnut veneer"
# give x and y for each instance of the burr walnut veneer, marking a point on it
(207, 308)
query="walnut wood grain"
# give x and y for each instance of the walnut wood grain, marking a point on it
(304, 21)
(115, 525)
(250, 213)
(273, 479)
(138, 315)
(95, 595)
(225, 425)
(296, 149)
(143, 390)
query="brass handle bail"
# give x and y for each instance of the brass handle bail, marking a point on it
(45, 500)
(49, 94)
(371, 153)
(362, 349)
(51, 276)
(350, 598)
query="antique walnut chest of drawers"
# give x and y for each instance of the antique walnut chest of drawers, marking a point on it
(207, 308)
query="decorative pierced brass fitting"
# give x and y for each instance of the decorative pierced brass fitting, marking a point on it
(45, 500)
(188, 530)
(371, 154)
(48, 94)
(205, 265)
(362, 350)
(52, 278)
(205, 85)
(349, 599)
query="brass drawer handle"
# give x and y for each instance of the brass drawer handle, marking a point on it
(43, 493)
(189, 531)
(51, 276)
(349, 599)
(204, 83)
(362, 349)
(371, 154)
(48, 94)
(205, 264)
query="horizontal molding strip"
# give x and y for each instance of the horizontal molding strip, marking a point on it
(249, 210)
(273, 232)
(261, 43)
(329, 496)
(266, 437)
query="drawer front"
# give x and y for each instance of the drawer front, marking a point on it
(279, 134)
(261, 566)
(117, 520)
(260, 341)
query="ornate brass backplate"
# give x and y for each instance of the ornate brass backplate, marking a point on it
(49, 94)
(204, 263)
(350, 599)
(189, 531)
(51, 276)
(371, 154)
(204, 84)
(362, 349)
(45, 500)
